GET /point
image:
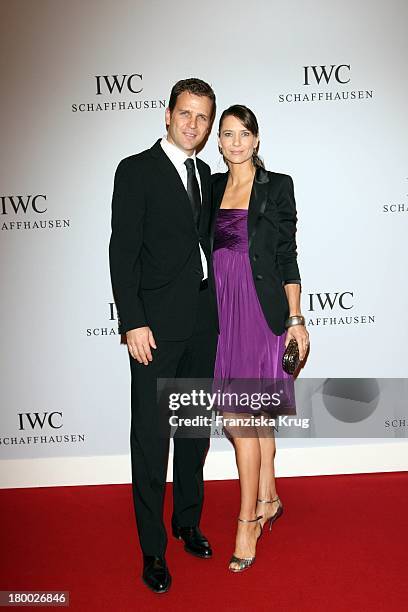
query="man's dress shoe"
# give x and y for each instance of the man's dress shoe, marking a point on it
(195, 542)
(156, 574)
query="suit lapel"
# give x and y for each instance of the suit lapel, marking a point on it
(205, 184)
(205, 196)
(218, 190)
(167, 169)
(257, 202)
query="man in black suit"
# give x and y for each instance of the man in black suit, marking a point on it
(159, 252)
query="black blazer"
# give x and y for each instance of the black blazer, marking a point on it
(271, 237)
(154, 252)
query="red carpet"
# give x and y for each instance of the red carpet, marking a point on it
(341, 545)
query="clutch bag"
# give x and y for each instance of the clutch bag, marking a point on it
(290, 359)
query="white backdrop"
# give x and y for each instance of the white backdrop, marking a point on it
(340, 130)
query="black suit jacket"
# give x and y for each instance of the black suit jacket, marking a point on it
(272, 240)
(154, 247)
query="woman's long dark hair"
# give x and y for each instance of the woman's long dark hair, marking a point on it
(248, 119)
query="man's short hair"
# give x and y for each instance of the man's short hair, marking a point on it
(193, 86)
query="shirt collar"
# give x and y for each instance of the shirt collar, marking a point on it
(176, 155)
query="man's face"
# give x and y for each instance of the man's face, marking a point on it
(189, 122)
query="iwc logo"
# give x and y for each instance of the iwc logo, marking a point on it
(118, 92)
(108, 329)
(41, 428)
(397, 207)
(335, 308)
(28, 212)
(319, 80)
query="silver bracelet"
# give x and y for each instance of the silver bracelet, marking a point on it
(295, 320)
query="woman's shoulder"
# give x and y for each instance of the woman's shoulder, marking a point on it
(278, 177)
(277, 181)
(218, 177)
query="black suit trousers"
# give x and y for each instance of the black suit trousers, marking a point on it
(191, 358)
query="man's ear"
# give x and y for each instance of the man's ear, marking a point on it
(168, 115)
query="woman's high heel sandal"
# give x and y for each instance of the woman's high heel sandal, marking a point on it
(277, 514)
(244, 563)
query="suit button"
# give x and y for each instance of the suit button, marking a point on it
(258, 277)
(255, 257)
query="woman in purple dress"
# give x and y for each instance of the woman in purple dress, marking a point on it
(257, 283)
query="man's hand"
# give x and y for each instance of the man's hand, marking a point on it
(140, 341)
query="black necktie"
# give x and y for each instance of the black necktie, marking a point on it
(193, 190)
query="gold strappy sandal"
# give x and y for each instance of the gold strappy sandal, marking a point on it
(277, 514)
(244, 562)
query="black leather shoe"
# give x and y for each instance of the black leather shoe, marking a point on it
(195, 542)
(156, 574)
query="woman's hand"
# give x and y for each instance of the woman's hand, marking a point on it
(301, 335)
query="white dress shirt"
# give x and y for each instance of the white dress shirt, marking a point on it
(177, 158)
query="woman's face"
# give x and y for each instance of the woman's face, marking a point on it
(237, 143)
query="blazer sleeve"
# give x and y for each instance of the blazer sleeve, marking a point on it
(287, 250)
(128, 210)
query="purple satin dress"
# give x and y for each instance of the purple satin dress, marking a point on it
(247, 347)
